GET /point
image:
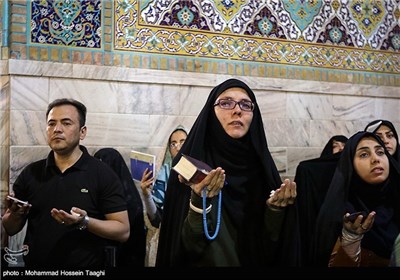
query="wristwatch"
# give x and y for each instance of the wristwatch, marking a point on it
(83, 224)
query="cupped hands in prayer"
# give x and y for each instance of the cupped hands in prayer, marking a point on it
(283, 196)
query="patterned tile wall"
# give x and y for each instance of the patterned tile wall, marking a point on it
(265, 31)
(341, 41)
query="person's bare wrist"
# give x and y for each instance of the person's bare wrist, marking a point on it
(147, 193)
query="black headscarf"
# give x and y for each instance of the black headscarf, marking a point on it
(327, 151)
(313, 178)
(250, 175)
(376, 124)
(133, 251)
(348, 193)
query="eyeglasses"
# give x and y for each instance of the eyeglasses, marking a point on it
(176, 145)
(229, 104)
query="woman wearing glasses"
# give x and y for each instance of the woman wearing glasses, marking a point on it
(154, 192)
(249, 212)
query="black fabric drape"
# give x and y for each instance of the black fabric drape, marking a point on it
(313, 178)
(132, 252)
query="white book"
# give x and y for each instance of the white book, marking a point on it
(191, 169)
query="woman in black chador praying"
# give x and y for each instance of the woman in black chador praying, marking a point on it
(250, 214)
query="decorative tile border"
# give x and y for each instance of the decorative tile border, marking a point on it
(134, 32)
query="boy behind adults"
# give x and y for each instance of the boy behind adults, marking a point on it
(75, 201)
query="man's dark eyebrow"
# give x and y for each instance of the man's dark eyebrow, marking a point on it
(63, 120)
(66, 119)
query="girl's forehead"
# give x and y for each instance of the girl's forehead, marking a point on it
(368, 141)
(383, 128)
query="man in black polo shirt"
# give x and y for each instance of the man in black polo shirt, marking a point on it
(75, 202)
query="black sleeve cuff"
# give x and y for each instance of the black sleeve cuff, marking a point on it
(197, 200)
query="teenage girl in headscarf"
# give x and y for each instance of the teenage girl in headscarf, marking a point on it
(366, 182)
(387, 132)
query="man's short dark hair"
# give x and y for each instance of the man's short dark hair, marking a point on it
(69, 101)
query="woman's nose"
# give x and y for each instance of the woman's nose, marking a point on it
(375, 158)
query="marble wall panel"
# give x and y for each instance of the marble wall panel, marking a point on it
(193, 99)
(113, 73)
(28, 128)
(114, 97)
(40, 69)
(4, 67)
(4, 145)
(388, 109)
(29, 93)
(4, 163)
(296, 155)
(153, 99)
(309, 106)
(322, 130)
(353, 108)
(99, 72)
(4, 134)
(98, 96)
(287, 132)
(322, 88)
(4, 97)
(272, 104)
(4, 128)
(4, 110)
(373, 91)
(21, 156)
(117, 130)
(279, 157)
(271, 84)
